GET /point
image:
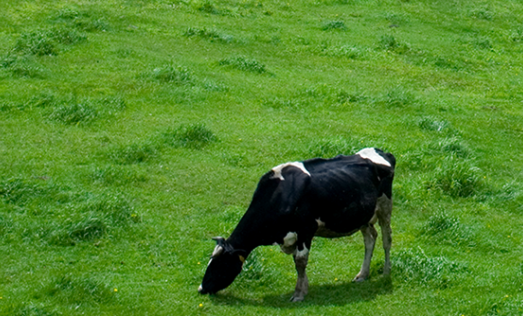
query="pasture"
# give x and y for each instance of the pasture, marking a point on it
(131, 132)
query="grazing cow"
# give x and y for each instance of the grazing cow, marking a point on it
(299, 200)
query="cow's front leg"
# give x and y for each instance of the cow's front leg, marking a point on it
(369, 237)
(301, 257)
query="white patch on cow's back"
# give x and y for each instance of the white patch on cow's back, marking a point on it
(372, 155)
(277, 170)
(290, 239)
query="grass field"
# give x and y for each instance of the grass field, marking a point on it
(132, 132)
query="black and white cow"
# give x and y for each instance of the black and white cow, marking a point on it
(299, 200)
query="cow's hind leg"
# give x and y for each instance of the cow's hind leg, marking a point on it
(384, 212)
(301, 257)
(369, 237)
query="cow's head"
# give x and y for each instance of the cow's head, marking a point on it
(225, 264)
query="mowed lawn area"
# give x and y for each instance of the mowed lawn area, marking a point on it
(132, 132)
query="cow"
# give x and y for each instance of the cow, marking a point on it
(296, 201)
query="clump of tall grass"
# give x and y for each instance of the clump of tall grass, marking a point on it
(242, 63)
(46, 42)
(331, 147)
(82, 20)
(172, 74)
(390, 43)
(334, 25)
(78, 290)
(192, 136)
(255, 273)
(208, 7)
(74, 114)
(415, 266)
(457, 178)
(432, 124)
(134, 153)
(212, 35)
(453, 146)
(347, 51)
(117, 175)
(483, 14)
(398, 97)
(23, 66)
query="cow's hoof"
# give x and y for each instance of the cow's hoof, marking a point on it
(358, 279)
(297, 298)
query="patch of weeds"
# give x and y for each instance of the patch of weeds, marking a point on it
(212, 35)
(67, 36)
(78, 290)
(43, 99)
(38, 43)
(27, 68)
(117, 211)
(398, 98)
(431, 124)
(277, 103)
(88, 229)
(134, 153)
(172, 74)
(483, 14)
(344, 97)
(20, 191)
(5, 225)
(517, 36)
(396, 19)
(416, 266)
(82, 20)
(346, 51)
(389, 43)
(453, 146)
(483, 43)
(116, 175)
(192, 136)
(213, 86)
(255, 273)
(242, 63)
(328, 148)
(110, 104)
(334, 25)
(208, 7)
(46, 42)
(448, 63)
(74, 114)
(28, 310)
(457, 178)
(447, 230)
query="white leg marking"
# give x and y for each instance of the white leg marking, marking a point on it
(372, 155)
(302, 285)
(278, 169)
(384, 212)
(369, 237)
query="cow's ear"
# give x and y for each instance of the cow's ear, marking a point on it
(219, 240)
(242, 254)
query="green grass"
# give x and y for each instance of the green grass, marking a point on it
(132, 132)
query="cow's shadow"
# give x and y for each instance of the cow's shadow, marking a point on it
(326, 295)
